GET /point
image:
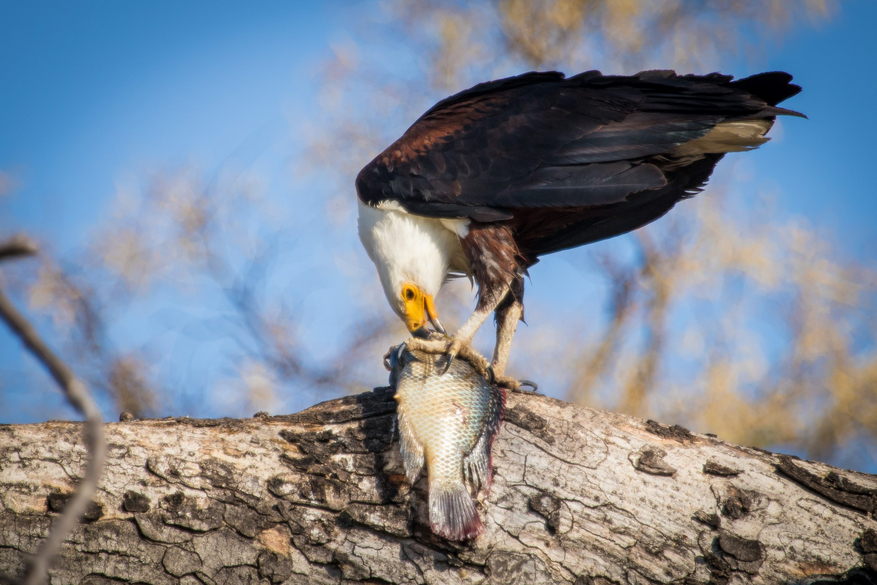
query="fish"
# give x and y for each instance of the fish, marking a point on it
(447, 422)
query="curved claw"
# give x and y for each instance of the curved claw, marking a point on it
(530, 383)
(490, 375)
(393, 357)
(451, 355)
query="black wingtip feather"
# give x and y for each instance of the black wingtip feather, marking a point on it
(772, 86)
(775, 111)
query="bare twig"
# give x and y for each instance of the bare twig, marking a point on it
(16, 247)
(78, 395)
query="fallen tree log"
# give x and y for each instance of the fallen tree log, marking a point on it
(579, 496)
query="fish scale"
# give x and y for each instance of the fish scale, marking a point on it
(447, 423)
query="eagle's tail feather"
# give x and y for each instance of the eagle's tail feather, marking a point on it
(772, 86)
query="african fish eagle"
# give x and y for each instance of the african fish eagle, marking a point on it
(490, 179)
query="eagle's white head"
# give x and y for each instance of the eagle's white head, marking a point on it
(413, 255)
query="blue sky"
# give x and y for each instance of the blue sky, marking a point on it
(822, 169)
(94, 90)
(101, 86)
(107, 88)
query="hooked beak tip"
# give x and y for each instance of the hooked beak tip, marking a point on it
(420, 333)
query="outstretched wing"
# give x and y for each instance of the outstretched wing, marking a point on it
(540, 140)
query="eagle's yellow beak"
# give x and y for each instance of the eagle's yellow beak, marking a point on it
(418, 308)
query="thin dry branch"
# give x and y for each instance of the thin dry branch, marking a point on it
(79, 397)
(16, 247)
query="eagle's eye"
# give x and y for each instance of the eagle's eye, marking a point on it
(409, 293)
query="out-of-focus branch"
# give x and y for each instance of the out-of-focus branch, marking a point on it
(78, 396)
(16, 247)
(623, 303)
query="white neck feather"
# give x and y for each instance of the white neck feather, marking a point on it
(407, 248)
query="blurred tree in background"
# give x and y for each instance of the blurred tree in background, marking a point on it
(718, 316)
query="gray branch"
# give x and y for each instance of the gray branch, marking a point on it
(580, 496)
(78, 396)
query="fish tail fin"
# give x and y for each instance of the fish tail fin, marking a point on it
(452, 514)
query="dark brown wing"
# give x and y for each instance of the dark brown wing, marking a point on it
(464, 156)
(527, 147)
(543, 231)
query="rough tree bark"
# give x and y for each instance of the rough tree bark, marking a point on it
(579, 496)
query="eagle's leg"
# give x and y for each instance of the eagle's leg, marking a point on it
(487, 304)
(508, 313)
(494, 260)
